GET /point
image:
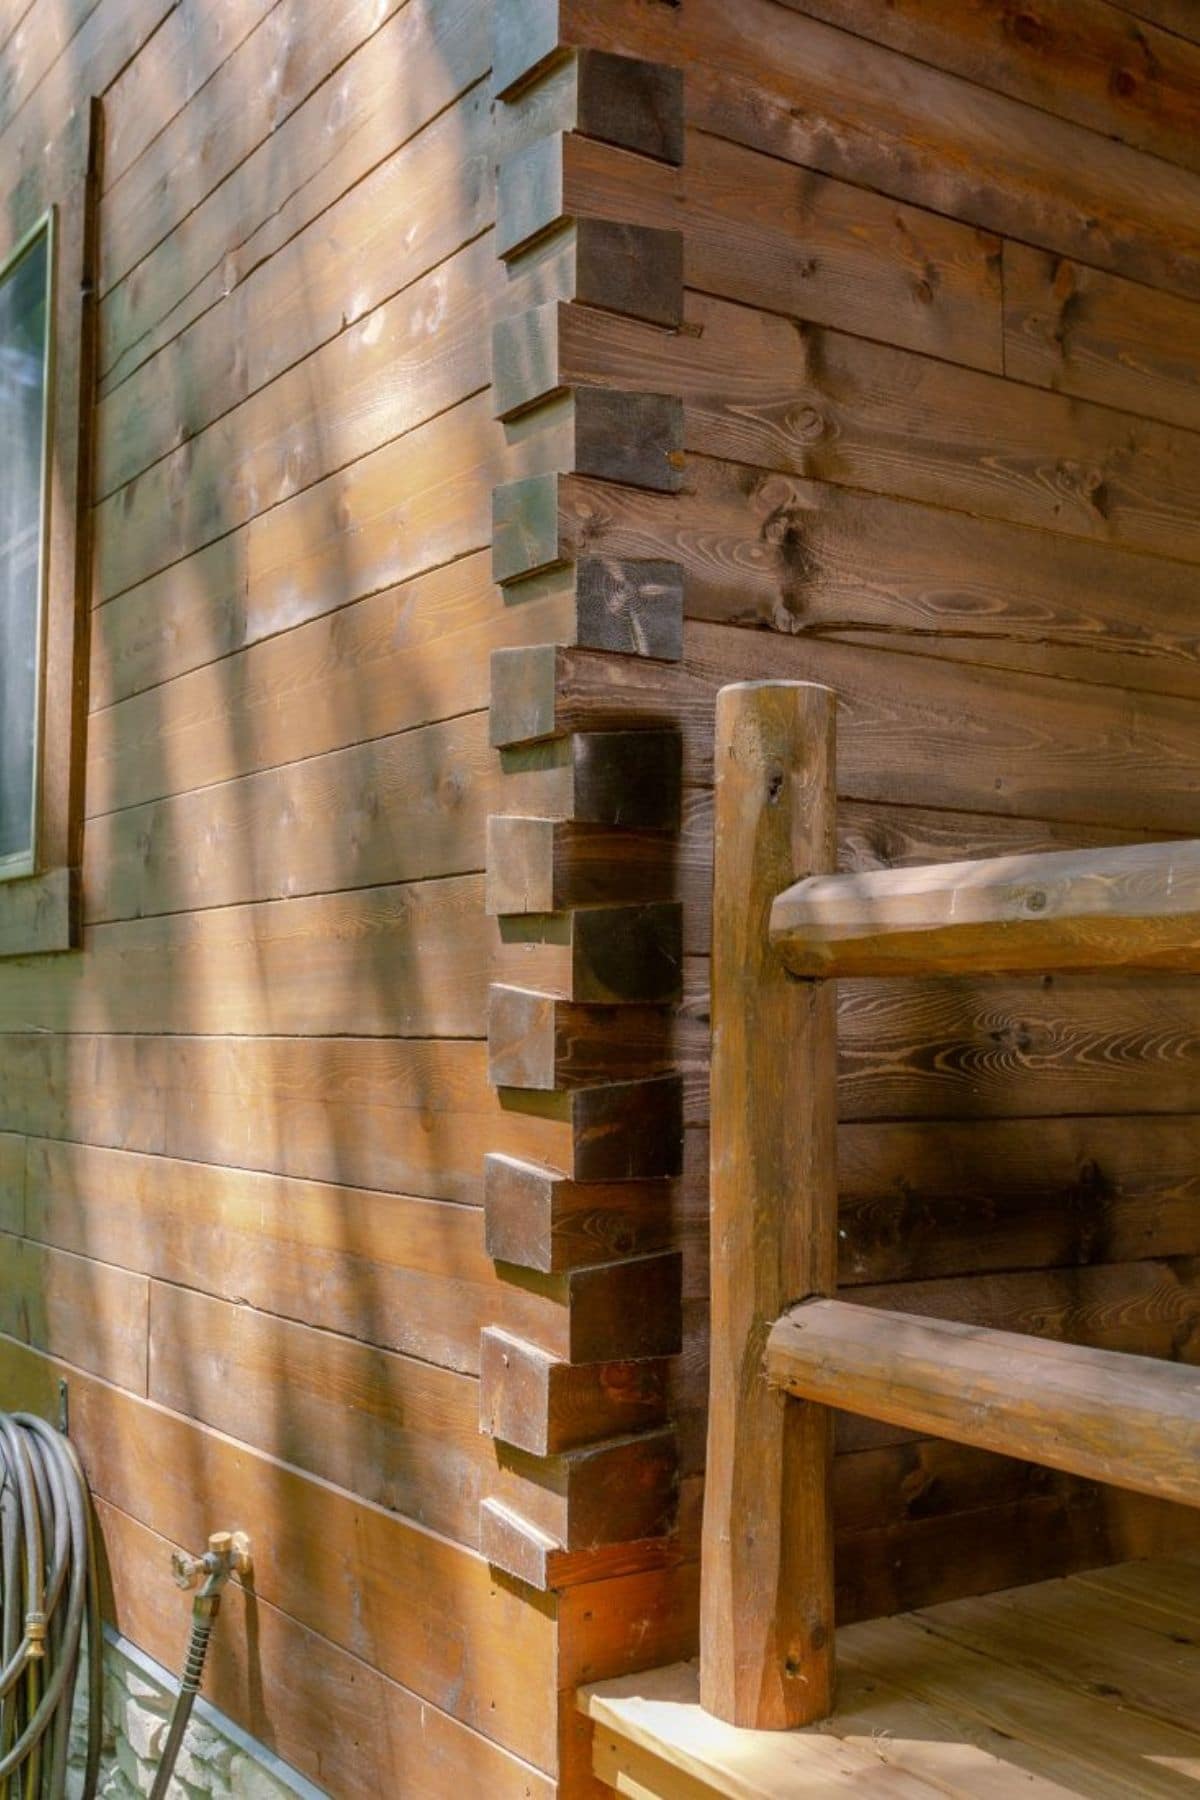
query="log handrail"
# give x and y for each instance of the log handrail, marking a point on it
(1133, 907)
(778, 1335)
(1128, 1421)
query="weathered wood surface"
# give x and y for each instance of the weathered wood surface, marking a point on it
(767, 1554)
(1135, 907)
(1132, 1421)
(1058, 1688)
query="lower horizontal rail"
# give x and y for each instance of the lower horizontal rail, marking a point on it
(1132, 1421)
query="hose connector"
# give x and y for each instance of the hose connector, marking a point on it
(35, 1636)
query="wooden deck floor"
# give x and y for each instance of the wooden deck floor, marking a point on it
(1085, 1686)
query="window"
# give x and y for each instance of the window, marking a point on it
(26, 310)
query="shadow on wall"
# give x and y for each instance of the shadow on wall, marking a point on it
(230, 1099)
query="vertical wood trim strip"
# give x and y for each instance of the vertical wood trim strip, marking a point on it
(766, 1611)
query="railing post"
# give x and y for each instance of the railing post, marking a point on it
(766, 1613)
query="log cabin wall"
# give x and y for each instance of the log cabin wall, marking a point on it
(356, 1116)
(940, 367)
(244, 1126)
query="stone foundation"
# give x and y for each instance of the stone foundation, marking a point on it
(218, 1759)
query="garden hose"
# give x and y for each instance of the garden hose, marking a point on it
(49, 1610)
(228, 1554)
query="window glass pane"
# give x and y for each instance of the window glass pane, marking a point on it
(24, 321)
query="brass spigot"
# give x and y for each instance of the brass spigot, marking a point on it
(228, 1554)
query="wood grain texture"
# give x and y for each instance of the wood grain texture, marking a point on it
(755, 234)
(407, 1117)
(1133, 907)
(767, 1559)
(1080, 331)
(1082, 60)
(540, 1220)
(541, 1405)
(405, 1274)
(1133, 1421)
(823, 98)
(804, 558)
(147, 1460)
(814, 402)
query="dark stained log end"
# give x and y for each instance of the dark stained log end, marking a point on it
(636, 439)
(635, 270)
(631, 608)
(539, 866)
(634, 104)
(539, 1219)
(627, 953)
(629, 778)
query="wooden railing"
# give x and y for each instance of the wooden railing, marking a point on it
(784, 927)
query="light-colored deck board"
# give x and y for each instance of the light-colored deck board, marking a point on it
(1083, 1687)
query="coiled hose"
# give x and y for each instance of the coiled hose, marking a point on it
(49, 1610)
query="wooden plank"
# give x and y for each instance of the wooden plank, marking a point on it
(377, 381)
(344, 820)
(1085, 1641)
(538, 866)
(347, 536)
(816, 403)
(817, 96)
(1131, 1421)
(12, 1183)
(487, 1651)
(660, 1712)
(915, 1562)
(1140, 1309)
(804, 558)
(407, 1274)
(1172, 15)
(42, 64)
(403, 961)
(75, 1307)
(752, 233)
(31, 48)
(265, 80)
(167, 73)
(392, 1429)
(1156, 1760)
(1078, 1046)
(767, 1557)
(620, 1491)
(408, 1117)
(1034, 1049)
(1080, 331)
(330, 1714)
(345, 136)
(1078, 59)
(1132, 907)
(926, 734)
(928, 1199)
(327, 683)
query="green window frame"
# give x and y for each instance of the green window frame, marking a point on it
(27, 309)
